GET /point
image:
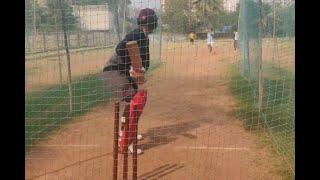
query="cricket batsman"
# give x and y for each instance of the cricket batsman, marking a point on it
(121, 78)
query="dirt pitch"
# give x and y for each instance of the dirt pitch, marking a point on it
(189, 126)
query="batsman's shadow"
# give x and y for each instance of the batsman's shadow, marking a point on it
(162, 135)
(161, 171)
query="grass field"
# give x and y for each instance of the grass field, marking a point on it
(277, 116)
(49, 109)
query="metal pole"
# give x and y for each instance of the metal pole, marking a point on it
(107, 26)
(34, 25)
(44, 40)
(67, 52)
(160, 33)
(58, 41)
(80, 28)
(275, 39)
(260, 60)
(124, 18)
(274, 30)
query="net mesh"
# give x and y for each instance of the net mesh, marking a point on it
(219, 105)
(276, 73)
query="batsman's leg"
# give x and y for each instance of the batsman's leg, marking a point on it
(138, 101)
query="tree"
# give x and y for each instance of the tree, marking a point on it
(177, 16)
(208, 11)
(208, 6)
(28, 14)
(286, 22)
(41, 17)
(282, 23)
(91, 2)
(228, 18)
(54, 10)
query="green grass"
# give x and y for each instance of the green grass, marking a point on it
(277, 115)
(279, 166)
(48, 110)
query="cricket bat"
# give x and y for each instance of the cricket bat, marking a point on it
(136, 63)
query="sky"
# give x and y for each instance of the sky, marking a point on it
(146, 3)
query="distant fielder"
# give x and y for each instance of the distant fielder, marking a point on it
(210, 40)
(235, 40)
(192, 37)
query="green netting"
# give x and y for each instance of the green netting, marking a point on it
(93, 28)
(276, 76)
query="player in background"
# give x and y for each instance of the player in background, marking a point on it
(210, 40)
(235, 40)
(192, 37)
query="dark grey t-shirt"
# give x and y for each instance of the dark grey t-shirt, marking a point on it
(121, 59)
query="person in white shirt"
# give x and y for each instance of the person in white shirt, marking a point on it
(235, 40)
(210, 39)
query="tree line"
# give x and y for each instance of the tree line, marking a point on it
(183, 16)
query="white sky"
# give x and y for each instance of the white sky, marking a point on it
(153, 4)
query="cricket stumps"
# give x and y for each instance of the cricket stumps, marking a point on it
(124, 151)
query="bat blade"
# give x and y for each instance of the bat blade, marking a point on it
(134, 53)
(136, 62)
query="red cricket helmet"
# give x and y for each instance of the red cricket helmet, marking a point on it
(148, 17)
